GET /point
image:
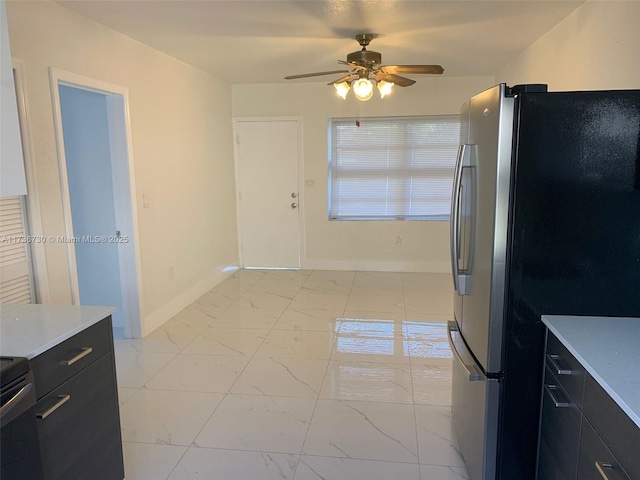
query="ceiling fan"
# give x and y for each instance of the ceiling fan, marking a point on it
(365, 65)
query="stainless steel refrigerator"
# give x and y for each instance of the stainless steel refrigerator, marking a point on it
(545, 219)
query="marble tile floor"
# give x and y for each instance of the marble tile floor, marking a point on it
(296, 375)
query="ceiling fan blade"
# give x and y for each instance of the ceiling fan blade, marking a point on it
(346, 78)
(317, 74)
(397, 79)
(415, 69)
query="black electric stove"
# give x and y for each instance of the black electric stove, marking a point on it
(18, 431)
(12, 368)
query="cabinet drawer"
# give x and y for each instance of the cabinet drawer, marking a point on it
(61, 362)
(80, 439)
(559, 433)
(596, 460)
(566, 368)
(616, 429)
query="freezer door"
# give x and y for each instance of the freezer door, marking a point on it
(485, 195)
(474, 406)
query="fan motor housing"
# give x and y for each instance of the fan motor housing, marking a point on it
(365, 57)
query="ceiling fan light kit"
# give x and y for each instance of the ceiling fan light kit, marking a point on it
(342, 89)
(385, 88)
(363, 89)
(366, 70)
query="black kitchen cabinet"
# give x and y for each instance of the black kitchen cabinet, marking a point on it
(561, 414)
(584, 434)
(77, 407)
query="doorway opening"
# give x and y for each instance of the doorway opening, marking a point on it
(96, 172)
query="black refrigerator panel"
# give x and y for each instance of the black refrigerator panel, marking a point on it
(574, 239)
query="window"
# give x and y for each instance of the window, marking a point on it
(392, 168)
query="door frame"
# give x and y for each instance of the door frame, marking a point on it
(34, 215)
(300, 161)
(124, 191)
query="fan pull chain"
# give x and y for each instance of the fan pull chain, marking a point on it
(358, 114)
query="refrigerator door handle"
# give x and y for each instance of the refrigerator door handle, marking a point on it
(466, 359)
(455, 216)
(461, 283)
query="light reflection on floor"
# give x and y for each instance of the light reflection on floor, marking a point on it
(296, 376)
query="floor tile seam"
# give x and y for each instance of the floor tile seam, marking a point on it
(420, 404)
(154, 375)
(317, 397)
(278, 319)
(369, 362)
(313, 413)
(277, 358)
(363, 458)
(415, 414)
(193, 339)
(148, 351)
(186, 447)
(381, 402)
(404, 309)
(203, 309)
(211, 355)
(182, 389)
(178, 462)
(279, 395)
(372, 335)
(253, 355)
(357, 360)
(342, 316)
(309, 277)
(306, 357)
(344, 310)
(237, 328)
(377, 311)
(206, 422)
(400, 462)
(296, 455)
(223, 449)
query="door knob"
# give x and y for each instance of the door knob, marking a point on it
(294, 195)
(294, 205)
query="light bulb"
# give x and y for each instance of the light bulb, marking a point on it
(385, 88)
(342, 89)
(363, 89)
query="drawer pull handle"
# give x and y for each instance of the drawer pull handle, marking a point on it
(602, 468)
(62, 400)
(558, 404)
(553, 360)
(84, 352)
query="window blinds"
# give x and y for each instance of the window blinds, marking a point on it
(392, 167)
(15, 264)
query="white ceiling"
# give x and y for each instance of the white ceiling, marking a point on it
(243, 41)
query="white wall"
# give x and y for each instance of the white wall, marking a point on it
(364, 245)
(596, 47)
(182, 149)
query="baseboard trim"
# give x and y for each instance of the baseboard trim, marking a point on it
(378, 265)
(158, 317)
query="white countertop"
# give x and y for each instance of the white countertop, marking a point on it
(29, 330)
(609, 349)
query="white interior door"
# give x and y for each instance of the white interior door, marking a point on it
(268, 202)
